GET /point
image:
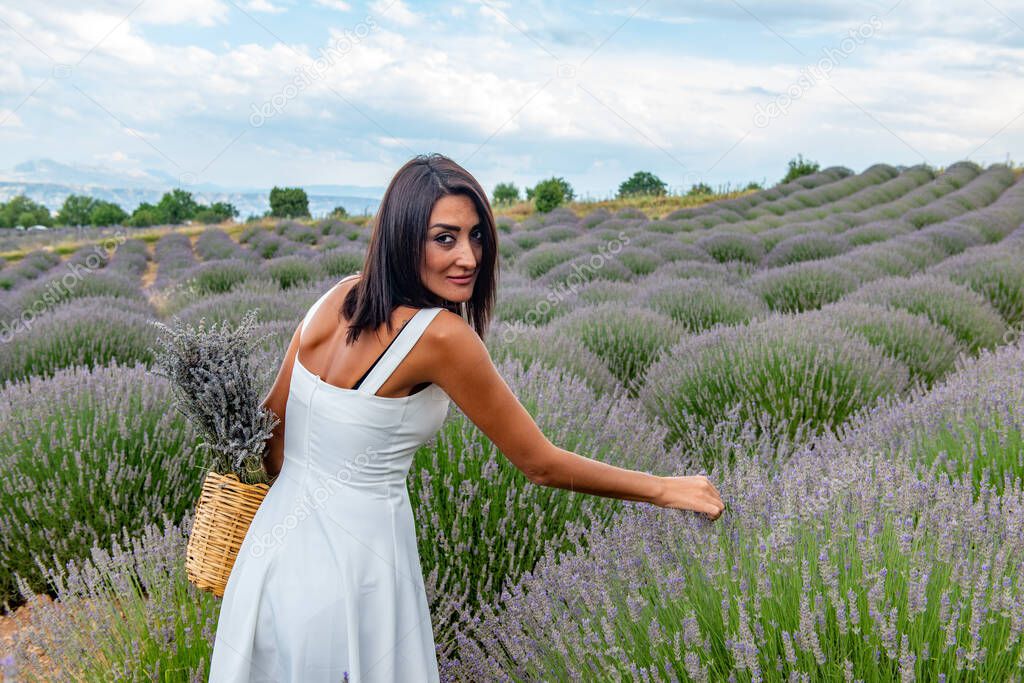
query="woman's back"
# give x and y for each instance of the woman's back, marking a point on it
(324, 352)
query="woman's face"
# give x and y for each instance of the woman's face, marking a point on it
(454, 248)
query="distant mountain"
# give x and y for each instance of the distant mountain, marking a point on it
(54, 172)
(50, 182)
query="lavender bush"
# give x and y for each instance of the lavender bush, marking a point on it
(963, 312)
(995, 272)
(877, 231)
(952, 239)
(970, 426)
(43, 294)
(131, 259)
(340, 262)
(586, 268)
(545, 347)
(806, 247)
(543, 258)
(292, 271)
(216, 277)
(687, 268)
(28, 267)
(674, 250)
(529, 304)
(233, 306)
(803, 286)
(627, 339)
(807, 371)
(85, 453)
(213, 244)
(724, 247)
(698, 304)
(601, 291)
(123, 614)
(928, 350)
(92, 331)
(174, 255)
(641, 260)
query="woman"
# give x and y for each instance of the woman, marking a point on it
(327, 585)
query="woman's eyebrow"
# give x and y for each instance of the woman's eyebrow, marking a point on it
(450, 227)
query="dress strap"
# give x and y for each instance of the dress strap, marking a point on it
(312, 309)
(400, 347)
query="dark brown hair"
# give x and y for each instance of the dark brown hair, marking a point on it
(391, 269)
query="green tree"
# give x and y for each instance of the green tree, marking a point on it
(145, 214)
(75, 210)
(547, 194)
(567, 192)
(22, 211)
(699, 189)
(289, 202)
(505, 193)
(642, 183)
(800, 167)
(754, 185)
(177, 206)
(339, 212)
(106, 213)
(218, 212)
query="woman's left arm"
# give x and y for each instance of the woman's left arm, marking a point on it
(276, 401)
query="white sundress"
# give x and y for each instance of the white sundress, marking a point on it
(328, 579)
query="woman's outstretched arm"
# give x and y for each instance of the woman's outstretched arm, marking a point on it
(462, 367)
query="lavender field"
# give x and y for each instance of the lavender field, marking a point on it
(841, 355)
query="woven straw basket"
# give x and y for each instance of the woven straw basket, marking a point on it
(225, 509)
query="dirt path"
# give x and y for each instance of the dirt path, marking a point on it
(150, 275)
(19, 622)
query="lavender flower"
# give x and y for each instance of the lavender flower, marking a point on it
(214, 387)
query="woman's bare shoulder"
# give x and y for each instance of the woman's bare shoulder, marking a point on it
(342, 288)
(450, 328)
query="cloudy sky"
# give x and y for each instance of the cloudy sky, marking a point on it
(252, 93)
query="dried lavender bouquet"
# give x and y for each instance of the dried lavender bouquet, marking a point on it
(214, 387)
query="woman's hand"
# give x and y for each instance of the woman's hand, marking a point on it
(695, 493)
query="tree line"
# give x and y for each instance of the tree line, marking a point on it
(552, 192)
(176, 206)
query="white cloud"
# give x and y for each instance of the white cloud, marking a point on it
(462, 81)
(264, 6)
(200, 12)
(397, 11)
(339, 5)
(140, 134)
(11, 77)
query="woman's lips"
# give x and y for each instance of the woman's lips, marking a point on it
(461, 280)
